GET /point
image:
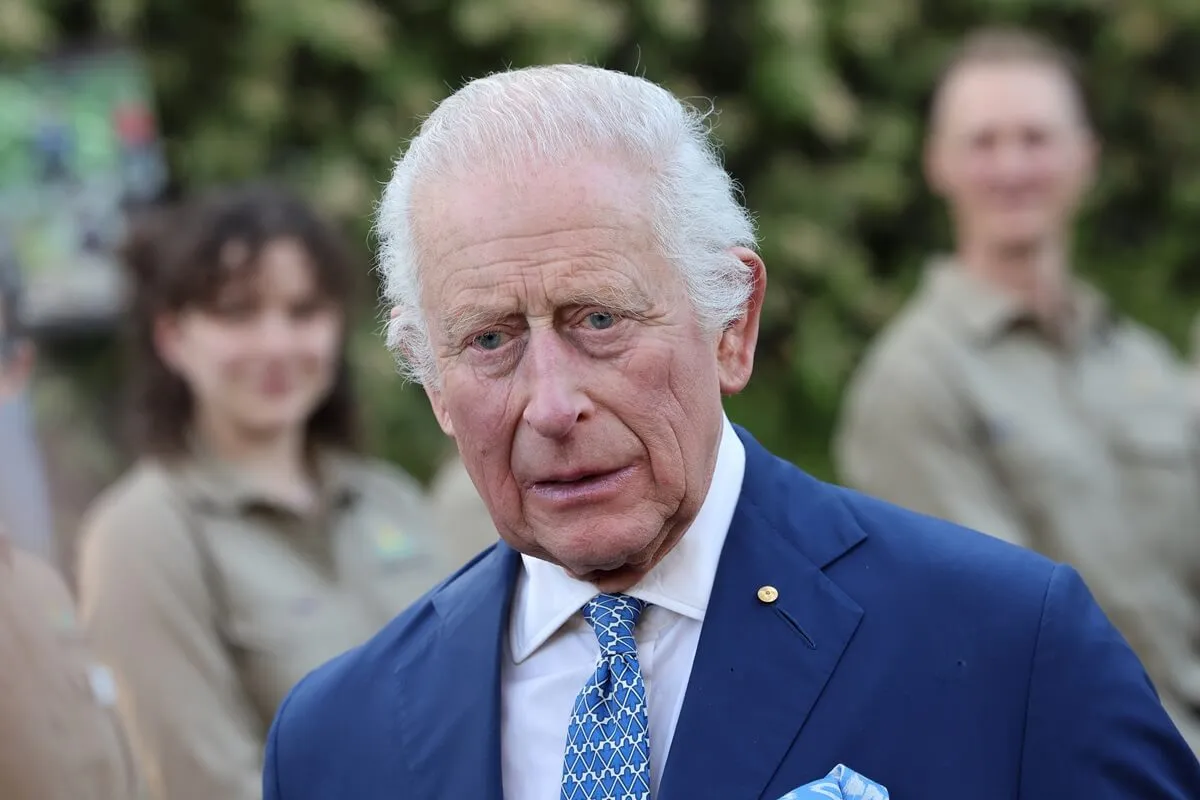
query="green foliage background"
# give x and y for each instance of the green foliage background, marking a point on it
(820, 108)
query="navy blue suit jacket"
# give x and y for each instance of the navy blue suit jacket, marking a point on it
(942, 663)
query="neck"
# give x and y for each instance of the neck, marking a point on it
(279, 458)
(1035, 275)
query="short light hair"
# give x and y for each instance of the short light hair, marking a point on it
(992, 46)
(554, 114)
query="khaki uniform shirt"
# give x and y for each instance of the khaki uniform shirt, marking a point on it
(60, 738)
(1081, 446)
(461, 513)
(211, 598)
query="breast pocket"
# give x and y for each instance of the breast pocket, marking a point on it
(277, 642)
(1165, 440)
(1160, 484)
(1054, 464)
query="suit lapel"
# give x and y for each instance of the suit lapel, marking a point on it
(451, 693)
(761, 664)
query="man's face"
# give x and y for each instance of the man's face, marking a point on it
(1011, 153)
(583, 393)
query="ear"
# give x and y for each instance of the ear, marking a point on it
(735, 348)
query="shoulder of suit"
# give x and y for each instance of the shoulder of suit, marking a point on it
(920, 550)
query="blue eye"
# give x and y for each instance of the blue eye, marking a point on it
(490, 340)
(600, 320)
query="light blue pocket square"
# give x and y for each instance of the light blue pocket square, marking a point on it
(841, 784)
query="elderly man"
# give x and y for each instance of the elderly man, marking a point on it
(1010, 397)
(674, 612)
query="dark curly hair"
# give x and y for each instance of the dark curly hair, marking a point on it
(174, 259)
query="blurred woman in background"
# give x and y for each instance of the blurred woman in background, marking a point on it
(251, 542)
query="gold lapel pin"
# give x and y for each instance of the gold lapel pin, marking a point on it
(768, 594)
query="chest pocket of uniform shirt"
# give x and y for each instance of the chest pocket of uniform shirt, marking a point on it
(277, 633)
(1042, 464)
(270, 611)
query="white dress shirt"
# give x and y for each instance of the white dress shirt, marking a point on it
(552, 652)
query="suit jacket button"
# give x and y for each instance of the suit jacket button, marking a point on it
(768, 594)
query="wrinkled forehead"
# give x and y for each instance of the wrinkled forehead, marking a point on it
(539, 239)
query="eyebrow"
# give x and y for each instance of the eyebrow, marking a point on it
(463, 319)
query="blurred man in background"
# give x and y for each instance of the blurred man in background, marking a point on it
(24, 505)
(1009, 397)
(59, 737)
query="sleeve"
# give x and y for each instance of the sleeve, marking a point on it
(905, 438)
(151, 619)
(1094, 725)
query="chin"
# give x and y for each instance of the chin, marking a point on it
(1019, 230)
(268, 425)
(606, 554)
(615, 581)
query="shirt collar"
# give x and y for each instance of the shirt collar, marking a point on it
(988, 313)
(546, 597)
(208, 481)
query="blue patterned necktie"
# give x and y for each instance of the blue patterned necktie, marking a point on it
(608, 741)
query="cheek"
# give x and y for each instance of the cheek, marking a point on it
(324, 346)
(1066, 180)
(669, 393)
(484, 418)
(210, 363)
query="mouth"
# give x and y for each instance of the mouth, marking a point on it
(576, 476)
(569, 488)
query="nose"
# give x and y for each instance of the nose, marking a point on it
(275, 333)
(1012, 160)
(556, 401)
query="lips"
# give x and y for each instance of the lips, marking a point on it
(571, 488)
(575, 476)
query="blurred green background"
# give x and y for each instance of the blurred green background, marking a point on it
(821, 106)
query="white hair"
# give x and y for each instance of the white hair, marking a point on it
(553, 114)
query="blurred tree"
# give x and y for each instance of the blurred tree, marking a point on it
(821, 109)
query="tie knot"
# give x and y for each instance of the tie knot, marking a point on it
(613, 617)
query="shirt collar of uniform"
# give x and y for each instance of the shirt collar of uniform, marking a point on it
(210, 481)
(988, 313)
(546, 597)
